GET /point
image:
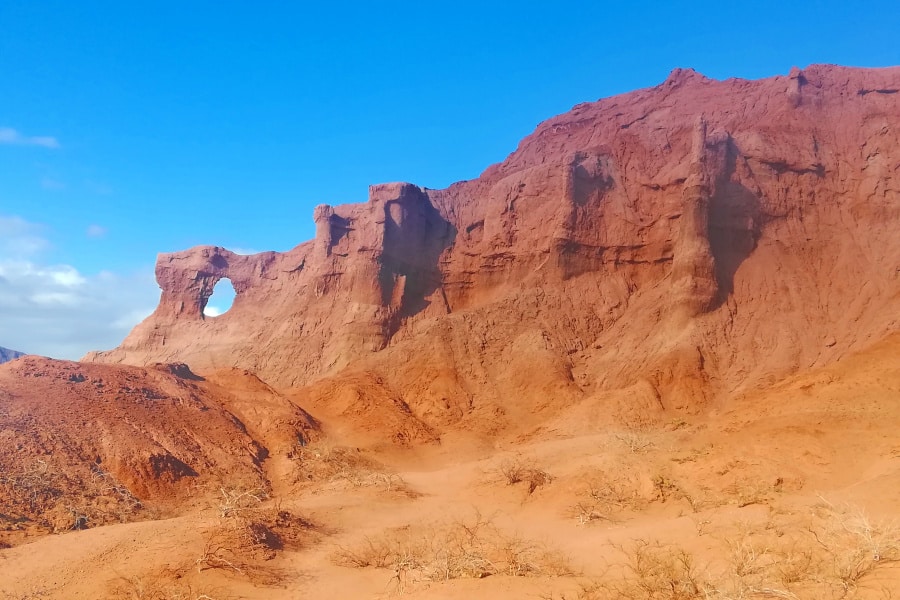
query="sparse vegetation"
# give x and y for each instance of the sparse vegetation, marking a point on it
(518, 470)
(635, 433)
(468, 548)
(852, 545)
(164, 586)
(605, 497)
(321, 462)
(248, 530)
(832, 557)
(60, 499)
(33, 594)
(747, 491)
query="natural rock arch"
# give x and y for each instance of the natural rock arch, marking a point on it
(221, 300)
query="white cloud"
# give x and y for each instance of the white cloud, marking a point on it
(96, 231)
(212, 311)
(19, 238)
(11, 137)
(54, 309)
(245, 251)
(54, 299)
(128, 320)
(221, 300)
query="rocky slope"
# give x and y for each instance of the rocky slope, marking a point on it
(657, 250)
(88, 444)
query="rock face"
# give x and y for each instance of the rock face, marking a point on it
(676, 244)
(7, 355)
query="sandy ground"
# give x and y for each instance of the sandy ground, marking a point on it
(788, 492)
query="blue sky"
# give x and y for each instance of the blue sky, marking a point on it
(132, 128)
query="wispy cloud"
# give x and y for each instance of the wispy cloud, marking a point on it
(11, 137)
(20, 239)
(245, 251)
(49, 183)
(98, 187)
(56, 310)
(96, 231)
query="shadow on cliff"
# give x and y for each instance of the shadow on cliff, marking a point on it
(415, 237)
(734, 221)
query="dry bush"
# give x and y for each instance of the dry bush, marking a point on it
(830, 558)
(636, 433)
(635, 441)
(610, 494)
(664, 572)
(651, 571)
(749, 491)
(235, 501)
(617, 493)
(654, 571)
(586, 512)
(164, 586)
(665, 488)
(753, 569)
(835, 555)
(605, 497)
(33, 489)
(468, 548)
(59, 499)
(34, 594)
(851, 545)
(247, 531)
(321, 462)
(517, 470)
(795, 564)
(224, 549)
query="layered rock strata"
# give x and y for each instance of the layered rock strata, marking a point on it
(678, 243)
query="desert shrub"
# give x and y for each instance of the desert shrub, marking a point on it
(466, 548)
(321, 462)
(635, 433)
(649, 571)
(606, 496)
(663, 572)
(664, 488)
(747, 491)
(235, 501)
(517, 470)
(64, 498)
(851, 545)
(248, 530)
(31, 492)
(833, 553)
(161, 586)
(33, 594)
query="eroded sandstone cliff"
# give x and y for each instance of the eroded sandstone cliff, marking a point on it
(655, 250)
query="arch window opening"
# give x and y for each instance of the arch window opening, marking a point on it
(221, 300)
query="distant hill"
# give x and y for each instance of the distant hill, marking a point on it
(6, 354)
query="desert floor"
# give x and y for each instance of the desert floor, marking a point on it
(788, 492)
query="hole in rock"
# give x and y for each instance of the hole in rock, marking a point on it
(221, 300)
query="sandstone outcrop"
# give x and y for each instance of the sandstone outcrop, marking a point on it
(691, 241)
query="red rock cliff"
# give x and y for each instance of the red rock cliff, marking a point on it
(680, 243)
